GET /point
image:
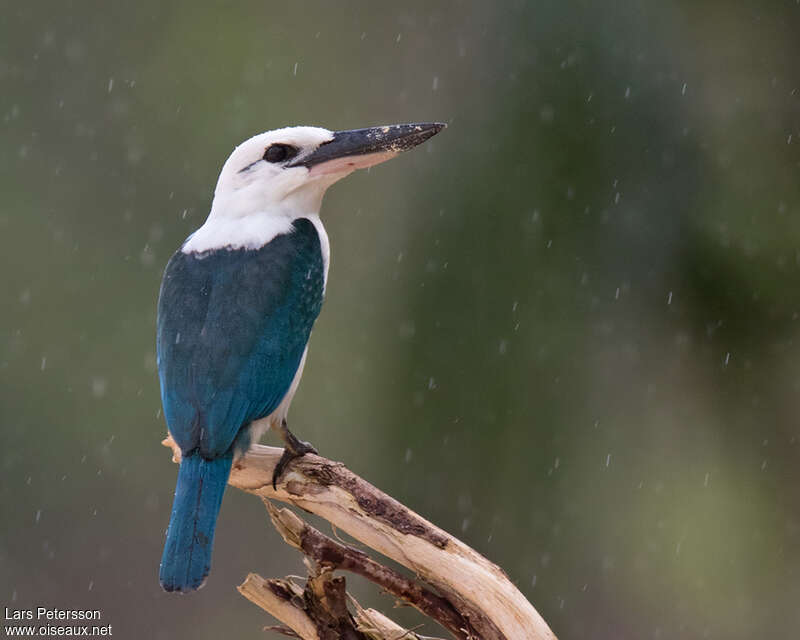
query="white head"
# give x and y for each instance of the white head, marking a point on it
(277, 176)
(249, 182)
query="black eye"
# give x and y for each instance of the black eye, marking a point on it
(279, 152)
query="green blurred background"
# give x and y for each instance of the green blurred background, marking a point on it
(564, 330)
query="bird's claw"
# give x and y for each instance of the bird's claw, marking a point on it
(294, 449)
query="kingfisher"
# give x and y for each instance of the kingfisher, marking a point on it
(235, 311)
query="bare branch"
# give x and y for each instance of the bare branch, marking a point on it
(318, 612)
(469, 595)
(479, 589)
(335, 555)
(283, 600)
(374, 622)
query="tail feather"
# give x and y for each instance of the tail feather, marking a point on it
(190, 536)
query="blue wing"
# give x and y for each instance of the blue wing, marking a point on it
(232, 328)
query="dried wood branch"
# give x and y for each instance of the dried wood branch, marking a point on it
(321, 611)
(378, 626)
(278, 597)
(461, 586)
(317, 611)
(331, 554)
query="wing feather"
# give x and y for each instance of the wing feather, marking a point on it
(232, 327)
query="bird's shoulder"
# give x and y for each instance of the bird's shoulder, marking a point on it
(194, 279)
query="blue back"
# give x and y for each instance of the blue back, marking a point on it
(232, 328)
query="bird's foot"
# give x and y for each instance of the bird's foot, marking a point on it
(294, 449)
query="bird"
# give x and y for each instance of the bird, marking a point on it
(236, 307)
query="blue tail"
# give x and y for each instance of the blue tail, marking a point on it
(190, 537)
